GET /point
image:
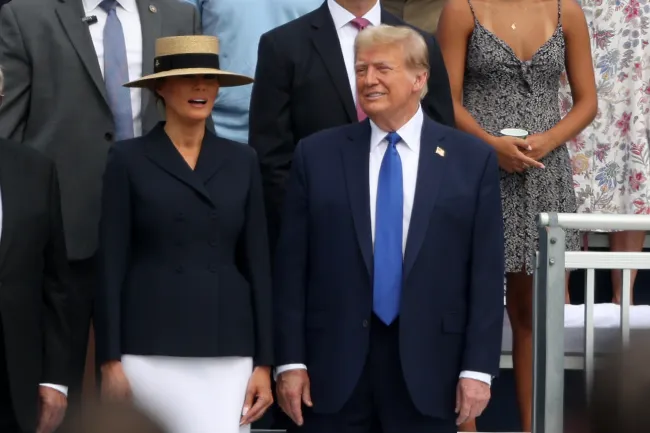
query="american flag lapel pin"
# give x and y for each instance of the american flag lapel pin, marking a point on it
(440, 151)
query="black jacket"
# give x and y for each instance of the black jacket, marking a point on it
(184, 264)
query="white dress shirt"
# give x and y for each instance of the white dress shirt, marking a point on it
(127, 12)
(62, 389)
(347, 33)
(409, 152)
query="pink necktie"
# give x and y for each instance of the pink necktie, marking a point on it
(360, 23)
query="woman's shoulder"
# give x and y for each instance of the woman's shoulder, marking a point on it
(233, 148)
(572, 14)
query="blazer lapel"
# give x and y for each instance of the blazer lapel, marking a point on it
(150, 22)
(9, 194)
(70, 13)
(211, 159)
(326, 42)
(431, 170)
(162, 152)
(354, 155)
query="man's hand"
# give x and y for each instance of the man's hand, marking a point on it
(52, 409)
(472, 396)
(293, 390)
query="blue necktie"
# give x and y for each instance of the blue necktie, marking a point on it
(388, 235)
(116, 73)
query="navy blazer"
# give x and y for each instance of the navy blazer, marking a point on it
(184, 262)
(451, 314)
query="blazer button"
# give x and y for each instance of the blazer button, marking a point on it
(365, 323)
(179, 216)
(179, 270)
(213, 214)
(213, 243)
(213, 268)
(108, 136)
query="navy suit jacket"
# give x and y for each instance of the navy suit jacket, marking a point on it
(183, 255)
(451, 314)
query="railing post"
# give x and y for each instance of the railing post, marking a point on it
(548, 321)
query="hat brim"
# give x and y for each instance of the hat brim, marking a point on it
(226, 79)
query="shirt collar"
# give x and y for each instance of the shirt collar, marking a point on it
(342, 16)
(410, 133)
(91, 5)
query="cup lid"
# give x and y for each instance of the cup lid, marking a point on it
(514, 132)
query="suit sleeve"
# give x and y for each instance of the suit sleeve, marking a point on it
(270, 132)
(485, 313)
(16, 67)
(56, 293)
(290, 273)
(254, 258)
(113, 254)
(437, 103)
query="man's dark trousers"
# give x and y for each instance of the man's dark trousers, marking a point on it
(380, 402)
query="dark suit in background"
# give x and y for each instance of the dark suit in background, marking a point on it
(302, 87)
(184, 264)
(451, 309)
(423, 14)
(34, 333)
(56, 102)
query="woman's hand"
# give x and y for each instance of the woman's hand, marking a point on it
(510, 151)
(115, 385)
(258, 395)
(540, 146)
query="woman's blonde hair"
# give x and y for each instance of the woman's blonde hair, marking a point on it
(414, 46)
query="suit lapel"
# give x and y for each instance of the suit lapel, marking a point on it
(150, 22)
(431, 169)
(326, 42)
(10, 193)
(354, 155)
(389, 19)
(162, 152)
(70, 13)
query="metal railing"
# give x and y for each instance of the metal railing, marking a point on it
(548, 304)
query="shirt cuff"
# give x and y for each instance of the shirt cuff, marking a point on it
(62, 389)
(287, 367)
(483, 377)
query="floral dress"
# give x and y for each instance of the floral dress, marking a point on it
(610, 157)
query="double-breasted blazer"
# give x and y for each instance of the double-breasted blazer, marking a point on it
(184, 261)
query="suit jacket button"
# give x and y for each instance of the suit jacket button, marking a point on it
(108, 136)
(365, 323)
(213, 268)
(179, 270)
(213, 243)
(213, 214)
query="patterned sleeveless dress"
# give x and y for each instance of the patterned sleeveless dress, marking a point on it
(503, 91)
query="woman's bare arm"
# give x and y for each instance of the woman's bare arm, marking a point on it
(454, 30)
(580, 71)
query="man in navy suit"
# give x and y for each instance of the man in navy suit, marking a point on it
(389, 274)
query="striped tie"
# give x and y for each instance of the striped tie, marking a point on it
(116, 73)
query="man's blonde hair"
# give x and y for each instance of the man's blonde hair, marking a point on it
(415, 48)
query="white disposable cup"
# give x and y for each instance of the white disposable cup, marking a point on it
(515, 132)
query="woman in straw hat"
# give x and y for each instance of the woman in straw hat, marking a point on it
(183, 314)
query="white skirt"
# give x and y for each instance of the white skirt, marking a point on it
(190, 395)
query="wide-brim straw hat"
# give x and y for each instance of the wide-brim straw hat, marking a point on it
(189, 55)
